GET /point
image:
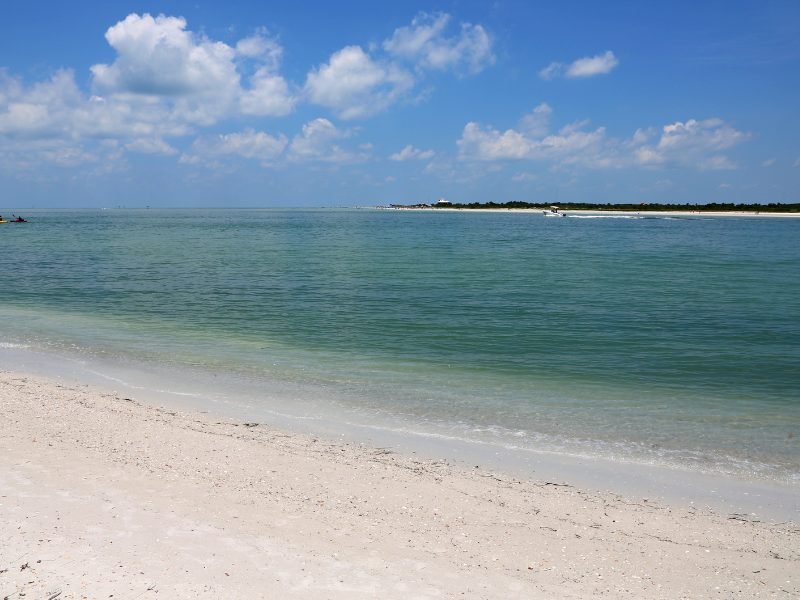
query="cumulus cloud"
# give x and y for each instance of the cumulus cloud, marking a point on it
(411, 153)
(591, 66)
(261, 47)
(54, 122)
(42, 110)
(268, 95)
(569, 145)
(198, 77)
(693, 143)
(250, 144)
(354, 85)
(158, 56)
(425, 43)
(319, 140)
(167, 82)
(583, 67)
(487, 143)
(537, 122)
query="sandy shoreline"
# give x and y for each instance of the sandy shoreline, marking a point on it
(101, 495)
(610, 213)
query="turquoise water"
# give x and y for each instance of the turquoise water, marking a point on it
(654, 340)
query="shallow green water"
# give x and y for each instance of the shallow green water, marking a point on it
(674, 341)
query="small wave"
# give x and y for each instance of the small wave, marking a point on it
(606, 217)
(11, 345)
(618, 452)
(129, 385)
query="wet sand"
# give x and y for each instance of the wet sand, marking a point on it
(102, 494)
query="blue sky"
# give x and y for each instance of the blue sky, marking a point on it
(361, 103)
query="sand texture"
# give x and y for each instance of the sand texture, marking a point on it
(102, 496)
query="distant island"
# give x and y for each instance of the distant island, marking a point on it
(713, 207)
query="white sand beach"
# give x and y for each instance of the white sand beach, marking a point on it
(103, 496)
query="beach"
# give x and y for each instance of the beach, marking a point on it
(106, 496)
(478, 300)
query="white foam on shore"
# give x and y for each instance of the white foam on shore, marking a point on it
(317, 411)
(607, 216)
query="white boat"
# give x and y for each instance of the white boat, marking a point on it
(553, 212)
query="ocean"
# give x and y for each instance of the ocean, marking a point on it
(653, 341)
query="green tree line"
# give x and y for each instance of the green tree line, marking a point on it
(712, 207)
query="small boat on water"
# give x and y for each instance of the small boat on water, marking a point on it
(16, 219)
(553, 212)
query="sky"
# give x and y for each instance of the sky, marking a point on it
(109, 103)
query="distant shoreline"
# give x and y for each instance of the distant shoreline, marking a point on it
(605, 212)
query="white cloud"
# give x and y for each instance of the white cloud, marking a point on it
(725, 186)
(484, 143)
(537, 122)
(583, 67)
(319, 141)
(262, 48)
(353, 85)
(268, 95)
(797, 163)
(769, 162)
(157, 56)
(151, 146)
(591, 66)
(424, 43)
(569, 146)
(165, 81)
(554, 69)
(40, 111)
(695, 144)
(410, 153)
(53, 122)
(250, 144)
(710, 133)
(68, 156)
(197, 77)
(57, 110)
